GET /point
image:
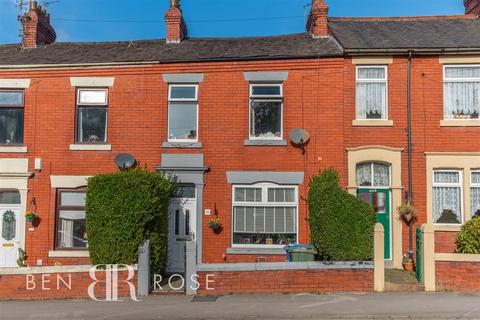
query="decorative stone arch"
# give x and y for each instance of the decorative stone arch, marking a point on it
(393, 157)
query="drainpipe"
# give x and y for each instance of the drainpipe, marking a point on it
(409, 147)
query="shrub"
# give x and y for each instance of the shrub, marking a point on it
(341, 225)
(123, 210)
(468, 240)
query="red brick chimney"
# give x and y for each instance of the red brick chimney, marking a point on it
(176, 27)
(317, 24)
(37, 29)
(472, 7)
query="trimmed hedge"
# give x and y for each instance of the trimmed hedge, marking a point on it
(123, 210)
(468, 240)
(341, 225)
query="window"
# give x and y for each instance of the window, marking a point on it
(372, 98)
(447, 197)
(9, 197)
(11, 117)
(71, 219)
(475, 193)
(376, 175)
(264, 215)
(266, 104)
(92, 115)
(183, 113)
(461, 92)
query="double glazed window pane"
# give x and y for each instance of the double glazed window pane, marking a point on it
(71, 229)
(373, 175)
(462, 92)
(371, 93)
(447, 197)
(475, 194)
(11, 99)
(183, 93)
(182, 117)
(9, 197)
(248, 194)
(266, 91)
(266, 119)
(92, 124)
(11, 125)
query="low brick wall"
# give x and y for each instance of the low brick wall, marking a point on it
(311, 279)
(460, 276)
(37, 285)
(445, 241)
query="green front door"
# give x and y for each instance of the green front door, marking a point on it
(379, 200)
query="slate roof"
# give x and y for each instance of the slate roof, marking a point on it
(190, 50)
(449, 32)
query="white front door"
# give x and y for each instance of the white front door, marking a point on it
(9, 236)
(181, 228)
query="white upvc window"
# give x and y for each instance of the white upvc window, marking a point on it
(264, 215)
(447, 197)
(461, 92)
(373, 175)
(372, 93)
(475, 193)
(92, 115)
(183, 113)
(266, 112)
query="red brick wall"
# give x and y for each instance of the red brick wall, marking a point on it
(19, 287)
(287, 281)
(457, 276)
(445, 241)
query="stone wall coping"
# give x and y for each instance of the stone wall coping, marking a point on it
(457, 257)
(277, 266)
(51, 269)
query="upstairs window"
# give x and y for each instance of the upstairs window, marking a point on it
(475, 193)
(266, 118)
(371, 97)
(11, 117)
(264, 215)
(183, 113)
(71, 231)
(447, 197)
(92, 115)
(461, 92)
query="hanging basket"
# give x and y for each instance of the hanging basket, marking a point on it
(407, 212)
(30, 217)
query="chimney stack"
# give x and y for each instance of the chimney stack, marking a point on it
(36, 27)
(176, 27)
(472, 7)
(317, 24)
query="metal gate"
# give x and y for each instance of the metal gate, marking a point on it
(419, 250)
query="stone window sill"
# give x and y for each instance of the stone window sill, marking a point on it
(460, 123)
(443, 227)
(13, 149)
(372, 123)
(182, 145)
(90, 147)
(69, 254)
(260, 251)
(265, 142)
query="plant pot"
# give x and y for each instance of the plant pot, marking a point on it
(408, 266)
(30, 218)
(216, 229)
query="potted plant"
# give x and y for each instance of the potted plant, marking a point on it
(215, 225)
(30, 216)
(407, 212)
(408, 264)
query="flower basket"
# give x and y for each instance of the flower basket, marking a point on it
(30, 216)
(407, 212)
(215, 225)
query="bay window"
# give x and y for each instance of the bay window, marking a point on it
(71, 231)
(264, 215)
(183, 113)
(11, 117)
(461, 92)
(447, 197)
(371, 93)
(266, 114)
(475, 193)
(92, 115)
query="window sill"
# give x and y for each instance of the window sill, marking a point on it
(452, 228)
(372, 123)
(91, 147)
(183, 145)
(264, 251)
(69, 254)
(13, 149)
(265, 142)
(460, 123)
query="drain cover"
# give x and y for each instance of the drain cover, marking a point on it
(204, 299)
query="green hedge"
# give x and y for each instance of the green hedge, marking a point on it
(123, 210)
(468, 240)
(341, 225)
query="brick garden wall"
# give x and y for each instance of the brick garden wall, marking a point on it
(287, 281)
(445, 241)
(457, 276)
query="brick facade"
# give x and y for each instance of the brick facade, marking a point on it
(457, 276)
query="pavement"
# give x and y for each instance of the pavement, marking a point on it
(249, 307)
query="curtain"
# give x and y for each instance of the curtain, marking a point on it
(447, 201)
(462, 97)
(381, 175)
(66, 235)
(371, 100)
(364, 175)
(475, 200)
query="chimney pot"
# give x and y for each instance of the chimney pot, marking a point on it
(33, 5)
(317, 24)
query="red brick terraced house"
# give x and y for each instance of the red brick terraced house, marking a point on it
(392, 103)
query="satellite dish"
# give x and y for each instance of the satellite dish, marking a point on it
(299, 136)
(125, 161)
